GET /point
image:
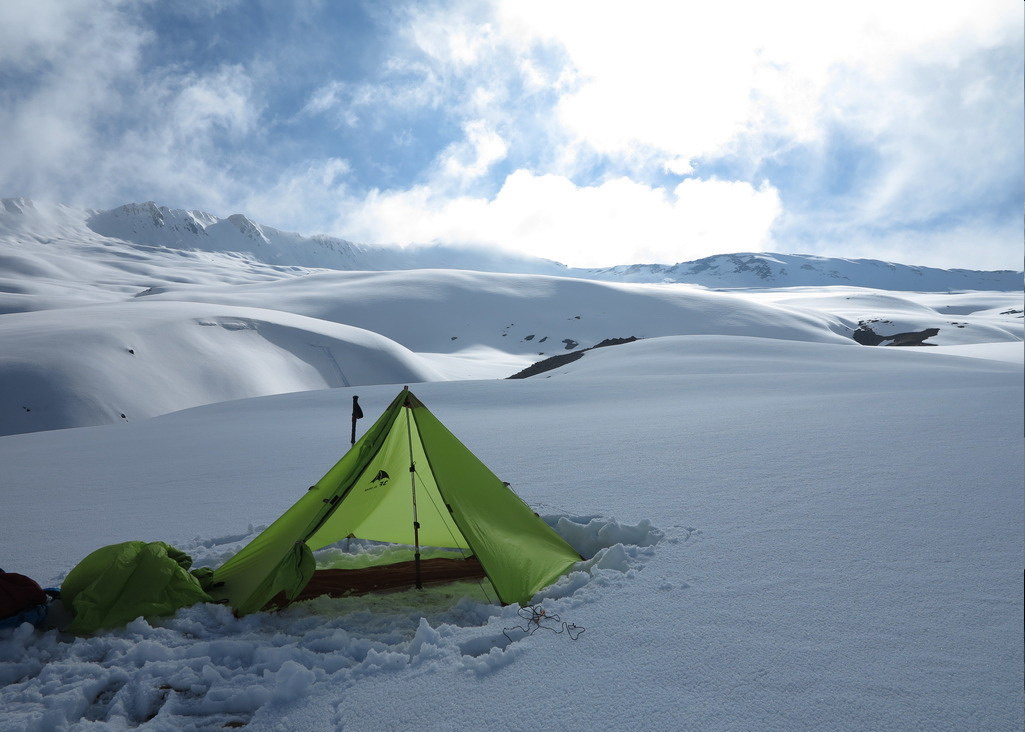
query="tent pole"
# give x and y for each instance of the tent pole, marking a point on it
(412, 485)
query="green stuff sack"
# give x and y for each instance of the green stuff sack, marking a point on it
(119, 583)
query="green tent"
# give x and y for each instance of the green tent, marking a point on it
(408, 480)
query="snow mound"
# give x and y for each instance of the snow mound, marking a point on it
(674, 356)
(447, 311)
(111, 363)
(961, 318)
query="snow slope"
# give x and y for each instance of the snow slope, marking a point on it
(69, 369)
(447, 310)
(158, 226)
(782, 535)
(107, 363)
(50, 259)
(962, 318)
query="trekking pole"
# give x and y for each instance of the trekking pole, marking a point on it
(357, 413)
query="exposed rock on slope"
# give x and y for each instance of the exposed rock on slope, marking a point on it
(564, 358)
(868, 337)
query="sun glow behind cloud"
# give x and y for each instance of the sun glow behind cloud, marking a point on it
(590, 132)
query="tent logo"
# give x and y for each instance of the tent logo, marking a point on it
(380, 480)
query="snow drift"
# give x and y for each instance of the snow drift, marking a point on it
(449, 310)
(111, 363)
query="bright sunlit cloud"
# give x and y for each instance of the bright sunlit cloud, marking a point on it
(589, 132)
(550, 216)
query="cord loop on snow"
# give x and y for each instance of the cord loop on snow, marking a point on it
(537, 617)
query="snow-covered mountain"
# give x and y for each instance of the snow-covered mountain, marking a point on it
(802, 270)
(159, 228)
(109, 313)
(153, 225)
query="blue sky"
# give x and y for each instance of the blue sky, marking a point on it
(594, 133)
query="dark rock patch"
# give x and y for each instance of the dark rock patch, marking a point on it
(612, 342)
(564, 358)
(868, 337)
(547, 365)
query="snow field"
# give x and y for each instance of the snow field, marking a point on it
(784, 530)
(839, 541)
(445, 311)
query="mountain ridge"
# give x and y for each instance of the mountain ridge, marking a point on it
(148, 224)
(769, 269)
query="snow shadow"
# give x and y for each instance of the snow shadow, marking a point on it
(206, 669)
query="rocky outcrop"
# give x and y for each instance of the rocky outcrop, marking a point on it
(562, 359)
(868, 337)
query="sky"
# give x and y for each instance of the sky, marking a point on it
(593, 133)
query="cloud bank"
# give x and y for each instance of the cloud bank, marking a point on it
(592, 133)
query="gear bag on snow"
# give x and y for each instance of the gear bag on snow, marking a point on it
(117, 584)
(21, 600)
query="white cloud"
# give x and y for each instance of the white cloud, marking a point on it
(593, 104)
(88, 124)
(549, 216)
(221, 102)
(65, 62)
(324, 98)
(670, 86)
(678, 166)
(310, 186)
(980, 245)
(687, 78)
(471, 158)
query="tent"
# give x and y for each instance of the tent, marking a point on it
(408, 480)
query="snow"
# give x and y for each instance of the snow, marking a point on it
(795, 536)
(783, 530)
(478, 362)
(765, 269)
(104, 363)
(266, 251)
(442, 311)
(1006, 351)
(962, 318)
